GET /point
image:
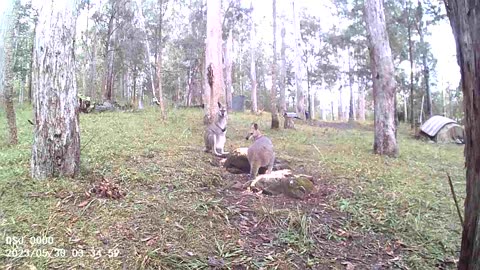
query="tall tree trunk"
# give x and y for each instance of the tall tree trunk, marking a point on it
(410, 56)
(361, 103)
(92, 72)
(309, 104)
(253, 74)
(21, 95)
(331, 106)
(88, 77)
(311, 97)
(228, 69)
(160, 61)
(56, 143)
(300, 108)
(385, 142)
(283, 73)
(340, 104)
(351, 115)
(426, 69)
(32, 50)
(140, 91)
(132, 87)
(109, 59)
(205, 92)
(9, 40)
(213, 55)
(464, 17)
(141, 20)
(273, 91)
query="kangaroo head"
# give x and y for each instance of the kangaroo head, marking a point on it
(254, 132)
(222, 111)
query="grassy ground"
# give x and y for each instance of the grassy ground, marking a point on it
(179, 211)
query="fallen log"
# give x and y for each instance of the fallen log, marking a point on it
(237, 162)
(282, 182)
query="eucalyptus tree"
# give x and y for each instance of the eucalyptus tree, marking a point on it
(24, 17)
(383, 77)
(427, 13)
(353, 40)
(464, 17)
(283, 71)
(253, 72)
(311, 35)
(7, 36)
(234, 17)
(300, 97)
(273, 92)
(213, 60)
(56, 142)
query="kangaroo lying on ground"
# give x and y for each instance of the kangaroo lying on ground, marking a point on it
(260, 153)
(215, 133)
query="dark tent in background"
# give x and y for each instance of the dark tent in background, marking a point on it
(238, 103)
(443, 130)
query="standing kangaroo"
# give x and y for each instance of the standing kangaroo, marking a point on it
(215, 133)
(260, 153)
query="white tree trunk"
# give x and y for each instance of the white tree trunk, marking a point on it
(139, 84)
(385, 142)
(361, 104)
(108, 95)
(7, 55)
(340, 104)
(351, 107)
(283, 73)
(273, 91)
(312, 104)
(253, 73)
(141, 21)
(213, 56)
(56, 143)
(300, 108)
(228, 69)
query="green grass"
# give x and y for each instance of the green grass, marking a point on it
(174, 218)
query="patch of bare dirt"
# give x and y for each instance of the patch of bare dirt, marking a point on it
(329, 240)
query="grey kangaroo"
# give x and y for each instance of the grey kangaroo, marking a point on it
(215, 133)
(260, 153)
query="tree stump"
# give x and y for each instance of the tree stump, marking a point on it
(288, 123)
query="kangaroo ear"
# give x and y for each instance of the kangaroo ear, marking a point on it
(255, 126)
(219, 105)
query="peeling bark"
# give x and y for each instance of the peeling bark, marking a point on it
(385, 142)
(213, 56)
(56, 143)
(8, 82)
(464, 17)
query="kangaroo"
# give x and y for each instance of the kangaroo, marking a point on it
(215, 133)
(260, 153)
